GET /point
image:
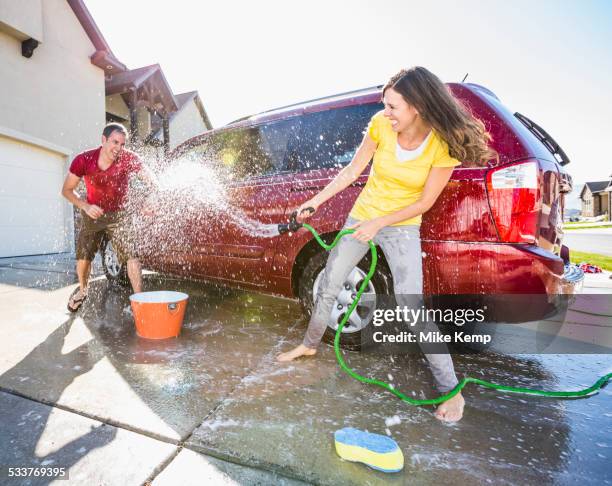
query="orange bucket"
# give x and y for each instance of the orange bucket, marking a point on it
(158, 315)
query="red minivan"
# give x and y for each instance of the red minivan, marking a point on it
(493, 230)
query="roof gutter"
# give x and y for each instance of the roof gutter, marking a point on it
(108, 62)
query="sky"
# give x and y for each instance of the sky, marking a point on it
(550, 60)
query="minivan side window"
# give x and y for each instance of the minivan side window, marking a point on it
(330, 138)
(275, 138)
(248, 152)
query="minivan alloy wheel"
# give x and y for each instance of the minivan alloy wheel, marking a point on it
(111, 262)
(364, 311)
(113, 269)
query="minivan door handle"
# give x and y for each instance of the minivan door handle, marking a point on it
(317, 187)
(307, 188)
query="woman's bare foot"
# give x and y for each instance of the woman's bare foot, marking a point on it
(451, 410)
(301, 350)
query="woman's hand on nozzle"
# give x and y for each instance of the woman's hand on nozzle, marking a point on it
(306, 210)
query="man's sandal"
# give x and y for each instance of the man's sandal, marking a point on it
(76, 300)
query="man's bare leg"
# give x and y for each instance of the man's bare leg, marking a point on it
(78, 296)
(301, 350)
(134, 271)
(83, 269)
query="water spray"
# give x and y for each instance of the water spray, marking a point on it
(294, 225)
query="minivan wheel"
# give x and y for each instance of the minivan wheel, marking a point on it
(115, 271)
(380, 284)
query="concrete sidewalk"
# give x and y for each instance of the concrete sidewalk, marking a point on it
(212, 406)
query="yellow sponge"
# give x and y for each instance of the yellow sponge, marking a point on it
(374, 450)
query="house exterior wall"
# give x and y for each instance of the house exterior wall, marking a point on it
(603, 203)
(116, 106)
(186, 124)
(22, 19)
(587, 203)
(594, 205)
(143, 120)
(55, 99)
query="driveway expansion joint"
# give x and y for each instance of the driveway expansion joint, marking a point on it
(102, 420)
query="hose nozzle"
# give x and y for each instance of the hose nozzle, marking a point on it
(292, 226)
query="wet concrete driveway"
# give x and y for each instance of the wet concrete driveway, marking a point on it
(213, 407)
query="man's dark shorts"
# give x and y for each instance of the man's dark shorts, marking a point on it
(115, 226)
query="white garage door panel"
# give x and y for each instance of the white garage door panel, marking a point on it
(20, 211)
(31, 240)
(24, 155)
(17, 181)
(31, 208)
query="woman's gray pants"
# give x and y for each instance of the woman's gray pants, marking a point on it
(402, 248)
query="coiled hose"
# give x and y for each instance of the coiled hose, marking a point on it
(433, 401)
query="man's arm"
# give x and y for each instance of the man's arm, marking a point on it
(144, 199)
(70, 183)
(148, 177)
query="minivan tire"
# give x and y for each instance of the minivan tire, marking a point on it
(115, 272)
(381, 281)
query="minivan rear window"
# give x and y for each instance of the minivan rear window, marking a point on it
(329, 139)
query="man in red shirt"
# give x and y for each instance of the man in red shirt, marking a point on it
(106, 171)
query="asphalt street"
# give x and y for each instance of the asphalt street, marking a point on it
(598, 240)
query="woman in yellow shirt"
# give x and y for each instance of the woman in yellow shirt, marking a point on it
(415, 142)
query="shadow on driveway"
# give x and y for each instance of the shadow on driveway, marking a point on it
(22, 432)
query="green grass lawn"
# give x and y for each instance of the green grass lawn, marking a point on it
(577, 226)
(602, 261)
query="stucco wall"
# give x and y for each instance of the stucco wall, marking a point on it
(56, 96)
(186, 124)
(22, 18)
(143, 121)
(116, 106)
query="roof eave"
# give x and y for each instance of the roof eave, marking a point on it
(108, 62)
(202, 110)
(103, 57)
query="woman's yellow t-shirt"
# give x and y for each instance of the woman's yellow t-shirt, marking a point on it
(393, 184)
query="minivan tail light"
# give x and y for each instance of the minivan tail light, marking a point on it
(515, 200)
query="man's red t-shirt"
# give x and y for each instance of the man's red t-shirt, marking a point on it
(106, 188)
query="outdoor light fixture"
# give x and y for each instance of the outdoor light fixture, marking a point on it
(28, 46)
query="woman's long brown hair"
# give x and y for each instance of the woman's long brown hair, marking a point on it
(466, 136)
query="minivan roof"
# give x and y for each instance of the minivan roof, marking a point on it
(514, 144)
(316, 104)
(364, 95)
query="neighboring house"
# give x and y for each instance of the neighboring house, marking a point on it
(609, 193)
(142, 99)
(133, 97)
(189, 120)
(595, 198)
(59, 84)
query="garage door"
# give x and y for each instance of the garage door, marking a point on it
(31, 208)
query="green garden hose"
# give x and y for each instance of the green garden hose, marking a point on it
(433, 401)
